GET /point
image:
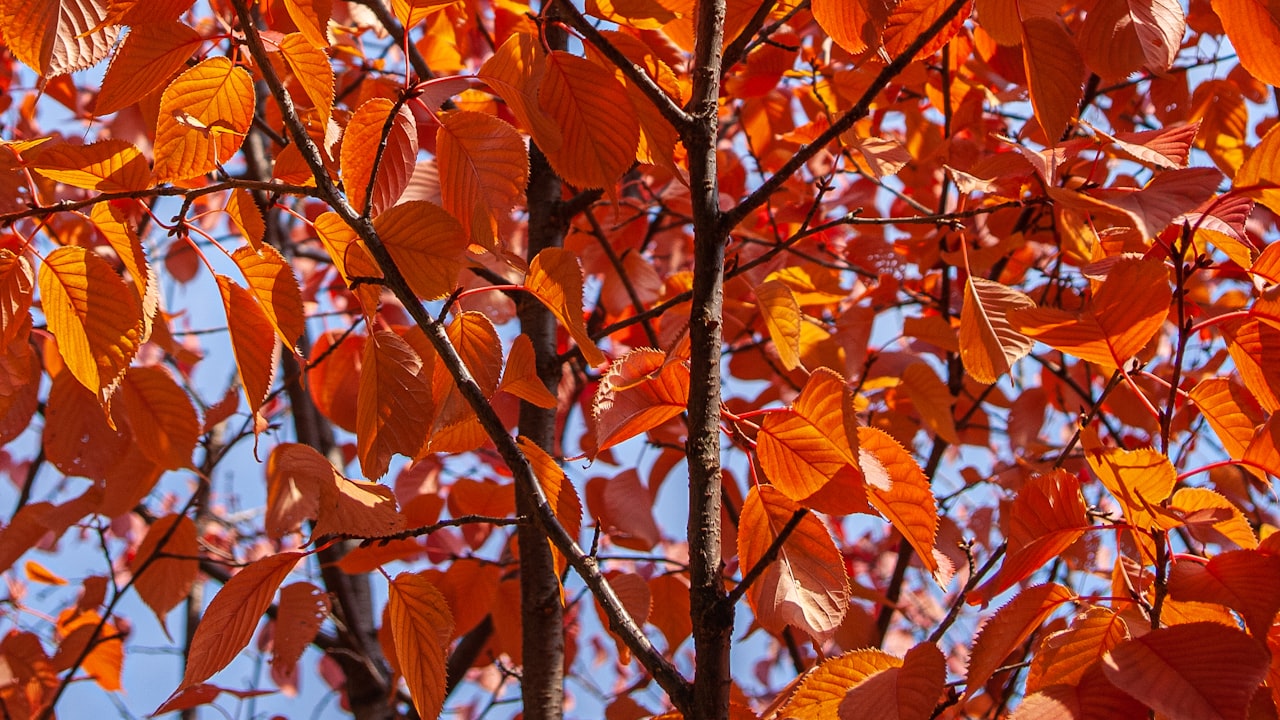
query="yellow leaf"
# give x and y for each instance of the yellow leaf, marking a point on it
(171, 554)
(253, 340)
(483, 166)
(806, 587)
(55, 37)
(109, 165)
(245, 215)
(640, 392)
(932, 400)
(394, 409)
(1254, 30)
(821, 690)
(1125, 313)
(145, 62)
(427, 244)
(555, 278)
(514, 72)
(808, 452)
(1140, 479)
(92, 314)
(38, 573)
(1055, 74)
(782, 317)
(160, 415)
(312, 19)
(422, 626)
(1259, 176)
(204, 115)
(1011, 624)
(520, 377)
(311, 67)
(359, 151)
(989, 346)
(233, 615)
(599, 143)
(271, 279)
(897, 487)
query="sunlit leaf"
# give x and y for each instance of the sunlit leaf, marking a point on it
(145, 62)
(483, 166)
(641, 391)
(1063, 657)
(311, 67)
(897, 487)
(243, 212)
(1093, 698)
(54, 37)
(271, 279)
(422, 626)
(302, 609)
(853, 25)
(560, 494)
(782, 318)
(166, 564)
(932, 400)
(1246, 581)
(395, 410)
(38, 573)
(1054, 73)
(909, 19)
(17, 283)
(1210, 517)
(158, 410)
(599, 143)
(374, 188)
(556, 279)
(514, 72)
(312, 19)
(1260, 173)
(123, 238)
(909, 692)
(428, 245)
(821, 690)
(520, 376)
(253, 339)
(1011, 625)
(1139, 479)
(989, 346)
(1254, 31)
(1231, 413)
(204, 116)
(110, 165)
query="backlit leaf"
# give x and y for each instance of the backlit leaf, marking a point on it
(233, 614)
(1212, 518)
(989, 346)
(253, 339)
(359, 152)
(1054, 73)
(395, 410)
(1139, 479)
(909, 19)
(806, 586)
(428, 245)
(312, 19)
(483, 166)
(55, 37)
(897, 487)
(854, 25)
(170, 553)
(1094, 698)
(1246, 581)
(271, 279)
(599, 143)
(1063, 657)
(1200, 670)
(412, 12)
(1231, 413)
(422, 627)
(932, 400)
(556, 279)
(909, 692)
(243, 212)
(352, 259)
(38, 573)
(641, 391)
(1124, 314)
(1254, 30)
(809, 452)
(476, 340)
(821, 690)
(294, 472)
(520, 376)
(158, 410)
(353, 507)
(94, 316)
(1011, 625)
(123, 238)
(145, 62)
(561, 496)
(109, 165)
(204, 116)
(311, 67)
(1260, 173)
(17, 283)
(514, 72)
(782, 318)
(302, 609)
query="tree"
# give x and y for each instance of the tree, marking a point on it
(950, 326)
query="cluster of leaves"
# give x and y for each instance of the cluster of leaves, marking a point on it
(991, 280)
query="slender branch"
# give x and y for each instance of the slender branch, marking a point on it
(767, 559)
(435, 527)
(843, 123)
(737, 50)
(663, 671)
(40, 211)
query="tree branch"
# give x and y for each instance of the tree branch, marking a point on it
(767, 559)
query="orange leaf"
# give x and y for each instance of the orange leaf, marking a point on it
(520, 377)
(1246, 581)
(422, 627)
(145, 62)
(897, 487)
(17, 282)
(1094, 698)
(932, 400)
(271, 279)
(303, 607)
(394, 409)
(640, 392)
(253, 340)
(312, 19)
(55, 37)
(243, 212)
(1010, 625)
(352, 507)
(909, 692)
(910, 18)
(143, 12)
(293, 494)
(19, 388)
(1255, 350)
(806, 586)
(477, 343)
(1200, 670)
(657, 136)
(583, 98)
(555, 278)
(854, 25)
(36, 572)
(311, 67)
(1125, 313)
(1169, 195)
(204, 116)
(514, 72)
(782, 318)
(412, 12)
(1054, 74)
(820, 691)
(110, 165)
(161, 416)
(1140, 479)
(1047, 516)
(351, 259)
(561, 496)
(122, 238)
(334, 381)
(77, 439)
(483, 165)
(813, 446)
(1254, 31)
(1064, 657)
(1212, 518)
(623, 507)
(171, 554)
(989, 346)
(104, 660)
(1231, 412)
(228, 623)
(427, 244)
(93, 315)
(1260, 173)
(359, 151)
